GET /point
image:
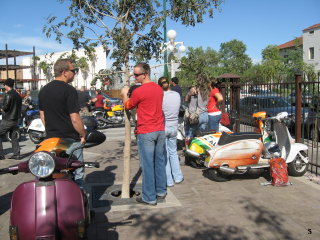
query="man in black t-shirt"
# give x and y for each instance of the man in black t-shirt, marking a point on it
(59, 110)
(175, 86)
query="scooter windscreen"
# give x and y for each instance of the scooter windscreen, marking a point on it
(56, 145)
(94, 138)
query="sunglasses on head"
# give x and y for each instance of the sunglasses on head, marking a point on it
(138, 74)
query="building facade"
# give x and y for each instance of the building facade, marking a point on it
(310, 43)
(311, 46)
(83, 78)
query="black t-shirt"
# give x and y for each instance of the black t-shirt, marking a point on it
(83, 98)
(177, 89)
(58, 100)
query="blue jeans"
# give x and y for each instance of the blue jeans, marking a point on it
(173, 169)
(214, 122)
(202, 125)
(79, 172)
(153, 162)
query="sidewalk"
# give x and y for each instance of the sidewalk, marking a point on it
(198, 208)
(202, 209)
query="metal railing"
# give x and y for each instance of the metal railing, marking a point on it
(299, 98)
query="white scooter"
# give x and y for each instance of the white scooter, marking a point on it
(37, 131)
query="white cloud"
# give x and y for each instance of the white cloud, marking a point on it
(18, 26)
(26, 43)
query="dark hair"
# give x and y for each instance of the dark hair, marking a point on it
(214, 83)
(61, 65)
(98, 91)
(145, 67)
(9, 82)
(175, 80)
(132, 88)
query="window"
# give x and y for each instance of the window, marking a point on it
(311, 32)
(311, 53)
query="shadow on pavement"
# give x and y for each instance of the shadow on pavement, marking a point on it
(100, 226)
(179, 225)
(266, 220)
(5, 201)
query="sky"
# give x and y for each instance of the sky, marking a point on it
(257, 23)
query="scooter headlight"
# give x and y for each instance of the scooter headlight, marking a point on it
(41, 164)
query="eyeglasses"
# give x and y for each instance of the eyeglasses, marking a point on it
(164, 82)
(76, 70)
(138, 74)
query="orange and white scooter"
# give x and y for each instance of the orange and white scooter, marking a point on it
(240, 153)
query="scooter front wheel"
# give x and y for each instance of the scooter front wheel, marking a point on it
(216, 175)
(298, 167)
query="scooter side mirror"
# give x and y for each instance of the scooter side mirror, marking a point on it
(94, 138)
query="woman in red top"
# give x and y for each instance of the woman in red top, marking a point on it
(98, 101)
(214, 112)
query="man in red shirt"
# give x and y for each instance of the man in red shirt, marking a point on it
(151, 137)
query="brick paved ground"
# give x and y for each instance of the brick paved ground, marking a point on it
(238, 209)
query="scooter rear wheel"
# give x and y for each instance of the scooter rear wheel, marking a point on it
(34, 137)
(101, 124)
(216, 175)
(8, 135)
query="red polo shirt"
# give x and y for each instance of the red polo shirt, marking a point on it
(148, 100)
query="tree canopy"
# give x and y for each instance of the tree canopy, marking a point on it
(133, 29)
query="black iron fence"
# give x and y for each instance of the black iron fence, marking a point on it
(299, 98)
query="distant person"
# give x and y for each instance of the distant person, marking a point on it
(59, 111)
(214, 112)
(98, 101)
(170, 107)
(11, 112)
(150, 134)
(175, 86)
(27, 98)
(83, 99)
(197, 99)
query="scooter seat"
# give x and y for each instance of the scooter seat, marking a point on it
(233, 137)
(199, 133)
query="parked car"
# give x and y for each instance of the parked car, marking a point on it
(312, 125)
(306, 99)
(271, 104)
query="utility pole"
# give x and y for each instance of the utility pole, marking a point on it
(165, 56)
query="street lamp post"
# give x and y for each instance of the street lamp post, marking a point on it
(173, 48)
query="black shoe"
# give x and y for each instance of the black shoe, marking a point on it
(15, 157)
(161, 197)
(139, 200)
(2, 157)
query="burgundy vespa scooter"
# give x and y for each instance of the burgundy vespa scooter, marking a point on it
(51, 207)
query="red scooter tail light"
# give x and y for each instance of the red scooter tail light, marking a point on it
(13, 232)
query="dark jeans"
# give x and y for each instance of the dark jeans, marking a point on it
(5, 126)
